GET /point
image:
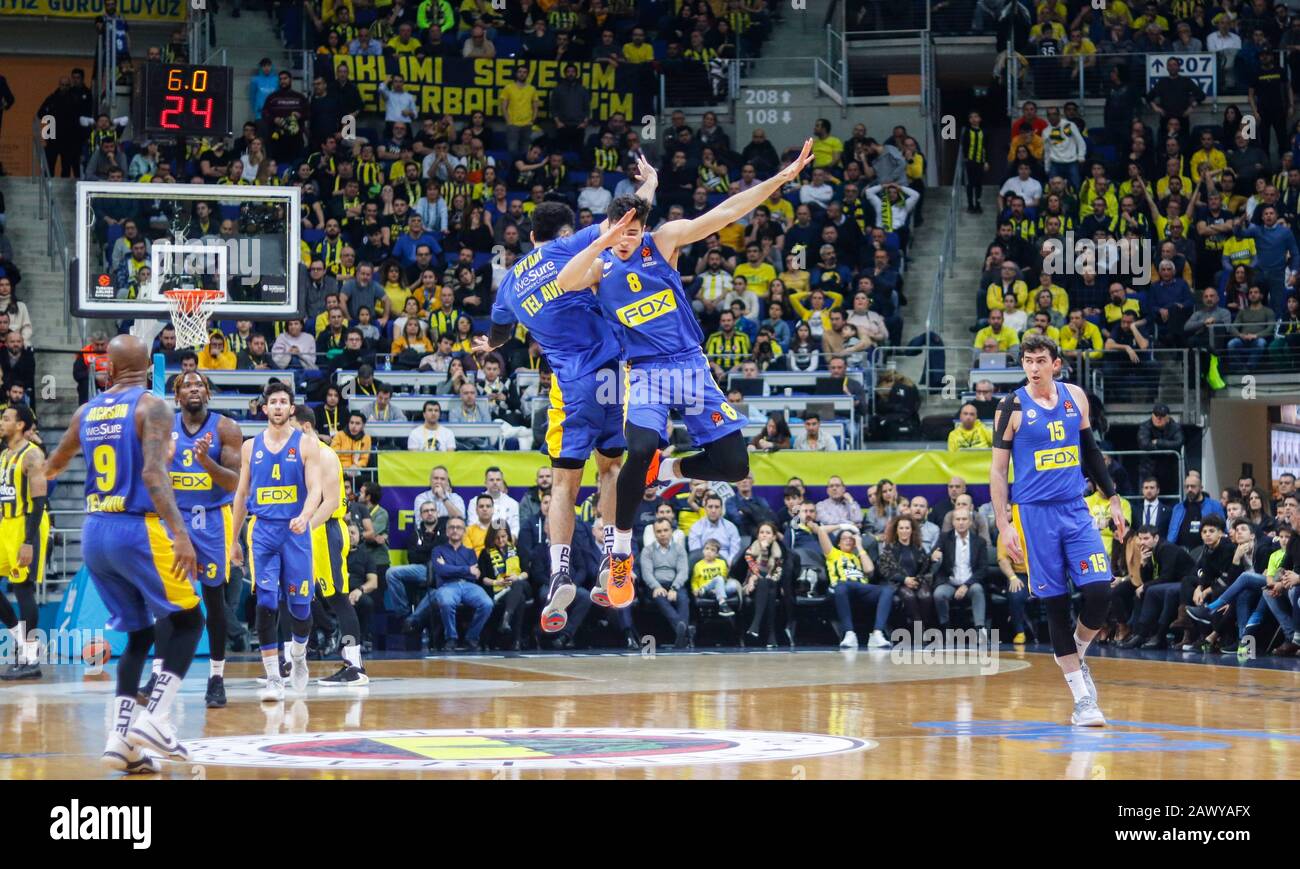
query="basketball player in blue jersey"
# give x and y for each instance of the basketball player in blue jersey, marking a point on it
(136, 548)
(640, 290)
(1042, 429)
(279, 489)
(583, 355)
(204, 473)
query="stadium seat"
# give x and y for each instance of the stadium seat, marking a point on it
(611, 180)
(482, 259)
(508, 45)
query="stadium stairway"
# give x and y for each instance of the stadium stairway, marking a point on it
(958, 304)
(246, 40)
(44, 291)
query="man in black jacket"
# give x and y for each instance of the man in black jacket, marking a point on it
(1160, 432)
(405, 581)
(747, 511)
(960, 564)
(1166, 567)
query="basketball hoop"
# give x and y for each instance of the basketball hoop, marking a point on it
(191, 308)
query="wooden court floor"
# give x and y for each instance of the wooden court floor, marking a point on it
(772, 715)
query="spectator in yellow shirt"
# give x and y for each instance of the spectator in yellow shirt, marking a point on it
(216, 357)
(353, 445)
(1079, 336)
(969, 433)
(996, 331)
(826, 148)
(1041, 324)
(477, 531)
(520, 103)
(1209, 155)
(1009, 284)
(757, 273)
(638, 50)
(709, 576)
(796, 278)
(403, 42)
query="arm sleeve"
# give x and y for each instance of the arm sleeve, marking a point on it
(1009, 405)
(1095, 463)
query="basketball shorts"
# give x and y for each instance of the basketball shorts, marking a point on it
(654, 388)
(1060, 542)
(130, 560)
(13, 534)
(280, 566)
(213, 536)
(585, 415)
(330, 544)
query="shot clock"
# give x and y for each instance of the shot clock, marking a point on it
(173, 99)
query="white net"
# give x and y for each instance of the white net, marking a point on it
(191, 309)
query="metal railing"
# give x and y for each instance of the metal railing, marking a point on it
(1134, 464)
(57, 245)
(868, 65)
(1169, 376)
(1274, 352)
(1081, 76)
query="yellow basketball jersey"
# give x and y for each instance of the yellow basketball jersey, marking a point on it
(15, 494)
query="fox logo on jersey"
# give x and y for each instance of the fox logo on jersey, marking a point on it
(647, 309)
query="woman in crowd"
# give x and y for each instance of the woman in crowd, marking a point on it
(903, 563)
(1257, 512)
(774, 436)
(507, 584)
(804, 353)
(883, 509)
(768, 570)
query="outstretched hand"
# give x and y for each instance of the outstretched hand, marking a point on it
(610, 236)
(645, 173)
(791, 172)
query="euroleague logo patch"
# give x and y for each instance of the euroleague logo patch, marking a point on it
(516, 748)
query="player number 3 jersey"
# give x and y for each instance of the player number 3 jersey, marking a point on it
(1045, 450)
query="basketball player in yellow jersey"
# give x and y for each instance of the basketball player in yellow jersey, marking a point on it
(24, 530)
(330, 544)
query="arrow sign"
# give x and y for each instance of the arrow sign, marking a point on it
(785, 117)
(785, 97)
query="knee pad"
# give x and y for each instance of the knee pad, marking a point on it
(730, 457)
(1096, 603)
(641, 443)
(1059, 626)
(268, 598)
(267, 627)
(187, 620)
(301, 625)
(138, 642)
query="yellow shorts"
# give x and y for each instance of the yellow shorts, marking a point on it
(330, 545)
(13, 533)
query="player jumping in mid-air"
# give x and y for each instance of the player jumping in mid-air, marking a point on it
(136, 547)
(24, 533)
(1042, 428)
(583, 355)
(640, 289)
(330, 545)
(279, 488)
(204, 474)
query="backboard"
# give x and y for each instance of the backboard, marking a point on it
(241, 239)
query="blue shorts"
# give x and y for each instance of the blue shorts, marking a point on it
(280, 563)
(1060, 542)
(684, 383)
(585, 415)
(212, 538)
(129, 558)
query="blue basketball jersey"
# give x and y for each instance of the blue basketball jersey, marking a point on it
(114, 457)
(1045, 450)
(277, 485)
(644, 296)
(192, 485)
(570, 327)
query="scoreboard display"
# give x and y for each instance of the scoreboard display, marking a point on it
(174, 100)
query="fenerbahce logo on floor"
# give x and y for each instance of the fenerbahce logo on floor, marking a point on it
(515, 748)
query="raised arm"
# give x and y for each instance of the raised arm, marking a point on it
(679, 233)
(583, 271)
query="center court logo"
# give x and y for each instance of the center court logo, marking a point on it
(516, 748)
